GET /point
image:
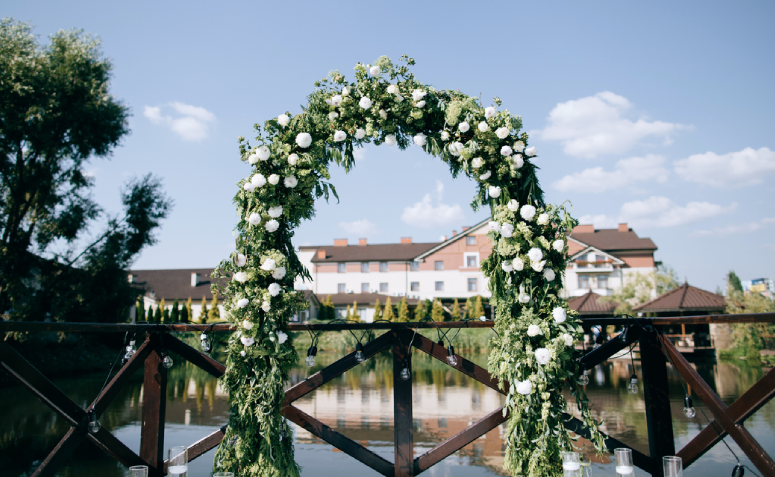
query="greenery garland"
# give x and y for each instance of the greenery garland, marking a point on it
(536, 329)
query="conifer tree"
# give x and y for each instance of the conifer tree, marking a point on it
(203, 311)
(403, 311)
(437, 311)
(184, 314)
(455, 316)
(157, 315)
(215, 313)
(377, 311)
(175, 313)
(189, 311)
(356, 316)
(349, 313)
(140, 314)
(164, 312)
(328, 308)
(478, 308)
(419, 311)
(388, 313)
(469, 311)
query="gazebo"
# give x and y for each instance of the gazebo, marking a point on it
(589, 305)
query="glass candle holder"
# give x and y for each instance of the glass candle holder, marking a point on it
(138, 471)
(672, 466)
(571, 464)
(624, 466)
(178, 461)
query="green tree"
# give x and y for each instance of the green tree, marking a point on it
(455, 315)
(140, 314)
(57, 113)
(478, 308)
(214, 315)
(203, 311)
(733, 282)
(437, 311)
(641, 287)
(185, 311)
(419, 311)
(747, 337)
(469, 309)
(157, 315)
(388, 313)
(403, 311)
(349, 313)
(356, 316)
(164, 311)
(377, 310)
(175, 312)
(326, 309)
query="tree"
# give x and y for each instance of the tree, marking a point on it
(388, 314)
(356, 316)
(164, 312)
(349, 313)
(478, 308)
(157, 315)
(56, 114)
(214, 315)
(403, 311)
(641, 287)
(326, 309)
(437, 311)
(469, 309)
(140, 314)
(419, 311)
(747, 337)
(175, 313)
(185, 312)
(203, 311)
(455, 316)
(733, 282)
(377, 310)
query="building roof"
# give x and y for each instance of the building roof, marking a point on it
(589, 304)
(452, 239)
(174, 284)
(384, 252)
(341, 299)
(612, 240)
(684, 298)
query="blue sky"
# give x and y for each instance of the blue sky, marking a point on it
(659, 114)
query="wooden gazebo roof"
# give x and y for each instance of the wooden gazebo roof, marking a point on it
(685, 298)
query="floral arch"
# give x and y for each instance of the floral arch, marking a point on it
(536, 330)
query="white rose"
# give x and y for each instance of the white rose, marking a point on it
(275, 211)
(274, 289)
(543, 219)
(494, 226)
(253, 158)
(525, 387)
(392, 89)
(269, 265)
(518, 264)
(535, 254)
(456, 148)
(420, 139)
(559, 314)
(303, 140)
(444, 136)
(242, 303)
(533, 330)
(531, 151)
(507, 266)
(485, 176)
(254, 219)
(483, 126)
(248, 186)
(506, 151)
(399, 98)
(418, 94)
(375, 71)
(543, 356)
(464, 126)
(549, 275)
(247, 325)
(538, 266)
(513, 205)
(272, 226)
(340, 136)
(283, 120)
(247, 341)
(241, 260)
(258, 180)
(360, 133)
(518, 161)
(279, 273)
(420, 104)
(345, 91)
(332, 115)
(266, 306)
(293, 159)
(336, 100)
(477, 162)
(519, 146)
(528, 212)
(243, 353)
(274, 179)
(502, 133)
(383, 114)
(568, 339)
(494, 191)
(558, 245)
(281, 337)
(263, 153)
(489, 112)
(524, 297)
(365, 102)
(241, 277)
(507, 230)
(291, 182)
(390, 140)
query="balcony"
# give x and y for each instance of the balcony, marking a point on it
(596, 266)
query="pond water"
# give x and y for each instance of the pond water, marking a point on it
(359, 404)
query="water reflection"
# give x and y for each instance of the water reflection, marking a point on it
(359, 404)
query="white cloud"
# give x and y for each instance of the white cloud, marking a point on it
(735, 169)
(192, 123)
(361, 228)
(595, 125)
(425, 214)
(627, 171)
(735, 228)
(658, 212)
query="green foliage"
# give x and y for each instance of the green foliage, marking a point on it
(140, 314)
(377, 310)
(455, 315)
(747, 337)
(403, 311)
(469, 311)
(214, 313)
(388, 314)
(478, 308)
(641, 287)
(157, 315)
(203, 312)
(175, 312)
(420, 311)
(327, 311)
(733, 282)
(355, 315)
(437, 311)
(164, 311)
(185, 312)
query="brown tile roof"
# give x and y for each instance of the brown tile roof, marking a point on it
(341, 299)
(684, 298)
(588, 304)
(174, 284)
(368, 253)
(611, 240)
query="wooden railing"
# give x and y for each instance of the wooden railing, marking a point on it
(654, 348)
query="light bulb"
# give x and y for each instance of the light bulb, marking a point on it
(405, 374)
(311, 352)
(451, 358)
(359, 357)
(584, 378)
(206, 346)
(167, 361)
(310, 361)
(130, 351)
(94, 424)
(633, 387)
(738, 471)
(689, 410)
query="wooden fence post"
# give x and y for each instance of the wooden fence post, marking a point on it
(402, 405)
(154, 409)
(659, 419)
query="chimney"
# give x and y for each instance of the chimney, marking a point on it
(465, 228)
(130, 278)
(340, 242)
(322, 253)
(454, 232)
(362, 242)
(194, 279)
(624, 228)
(584, 229)
(406, 239)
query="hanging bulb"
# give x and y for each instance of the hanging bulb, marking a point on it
(359, 357)
(451, 358)
(738, 471)
(94, 424)
(405, 373)
(633, 387)
(584, 377)
(130, 351)
(311, 352)
(689, 410)
(598, 340)
(206, 346)
(166, 361)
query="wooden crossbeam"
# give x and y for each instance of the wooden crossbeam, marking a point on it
(194, 356)
(63, 450)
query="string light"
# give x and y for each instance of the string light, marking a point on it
(405, 373)
(738, 471)
(584, 377)
(130, 351)
(451, 358)
(359, 357)
(633, 387)
(94, 424)
(206, 344)
(689, 410)
(311, 352)
(166, 361)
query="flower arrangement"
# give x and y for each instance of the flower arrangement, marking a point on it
(290, 160)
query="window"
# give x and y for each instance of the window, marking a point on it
(439, 286)
(438, 265)
(383, 266)
(340, 288)
(364, 288)
(383, 288)
(471, 261)
(472, 284)
(414, 286)
(602, 281)
(583, 282)
(414, 266)
(471, 240)
(341, 267)
(364, 267)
